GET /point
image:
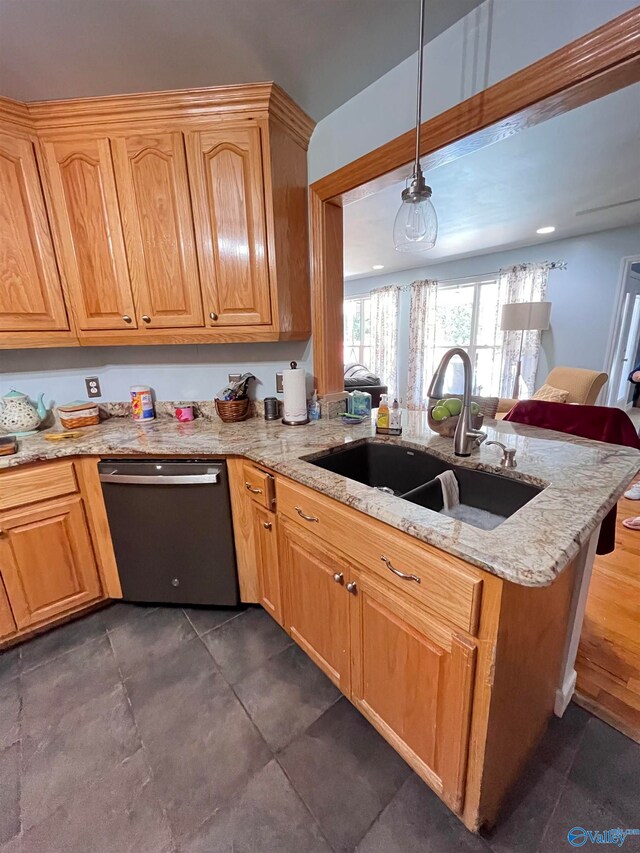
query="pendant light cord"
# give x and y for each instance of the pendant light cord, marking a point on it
(419, 92)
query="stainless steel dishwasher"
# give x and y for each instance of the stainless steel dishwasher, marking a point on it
(172, 531)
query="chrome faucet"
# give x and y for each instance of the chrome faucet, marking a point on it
(465, 438)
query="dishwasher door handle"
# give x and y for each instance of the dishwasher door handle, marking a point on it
(161, 479)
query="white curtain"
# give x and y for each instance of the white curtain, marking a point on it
(522, 283)
(384, 336)
(422, 326)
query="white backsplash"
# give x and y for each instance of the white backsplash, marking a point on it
(189, 372)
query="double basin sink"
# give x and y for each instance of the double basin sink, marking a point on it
(409, 474)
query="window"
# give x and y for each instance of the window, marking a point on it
(357, 330)
(468, 316)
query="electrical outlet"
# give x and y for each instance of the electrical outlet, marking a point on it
(234, 377)
(279, 388)
(92, 384)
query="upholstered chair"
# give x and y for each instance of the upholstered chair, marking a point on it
(583, 386)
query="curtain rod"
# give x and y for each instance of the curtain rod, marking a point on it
(552, 265)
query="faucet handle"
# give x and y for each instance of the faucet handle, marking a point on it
(508, 454)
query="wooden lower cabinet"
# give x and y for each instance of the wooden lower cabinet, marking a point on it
(47, 560)
(266, 552)
(412, 677)
(7, 623)
(316, 603)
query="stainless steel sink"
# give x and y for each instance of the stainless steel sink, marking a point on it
(410, 474)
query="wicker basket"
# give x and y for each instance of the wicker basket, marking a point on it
(76, 415)
(447, 427)
(232, 411)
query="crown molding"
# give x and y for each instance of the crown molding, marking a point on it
(252, 100)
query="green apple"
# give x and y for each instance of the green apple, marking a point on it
(440, 413)
(453, 405)
(475, 408)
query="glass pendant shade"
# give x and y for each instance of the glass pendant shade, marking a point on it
(416, 226)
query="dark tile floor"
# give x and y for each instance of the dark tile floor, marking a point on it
(142, 730)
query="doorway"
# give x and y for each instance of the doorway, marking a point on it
(626, 338)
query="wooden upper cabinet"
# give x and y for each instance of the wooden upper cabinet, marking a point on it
(30, 291)
(86, 212)
(151, 177)
(227, 189)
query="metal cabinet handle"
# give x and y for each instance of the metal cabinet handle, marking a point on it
(267, 525)
(338, 577)
(306, 517)
(175, 582)
(126, 318)
(146, 318)
(213, 315)
(352, 587)
(250, 488)
(398, 573)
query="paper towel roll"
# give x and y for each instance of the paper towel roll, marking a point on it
(294, 387)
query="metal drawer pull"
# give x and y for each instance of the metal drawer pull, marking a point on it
(338, 577)
(352, 587)
(252, 489)
(397, 573)
(306, 517)
(267, 525)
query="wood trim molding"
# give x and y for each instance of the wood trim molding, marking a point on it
(254, 100)
(615, 46)
(590, 67)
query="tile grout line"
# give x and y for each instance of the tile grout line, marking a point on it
(303, 801)
(142, 745)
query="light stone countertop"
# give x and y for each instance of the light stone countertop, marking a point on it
(582, 479)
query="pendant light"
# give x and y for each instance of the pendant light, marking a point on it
(416, 226)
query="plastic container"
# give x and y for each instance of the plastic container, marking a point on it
(360, 404)
(314, 407)
(382, 421)
(142, 404)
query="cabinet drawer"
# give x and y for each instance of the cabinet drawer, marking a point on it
(259, 485)
(25, 486)
(445, 585)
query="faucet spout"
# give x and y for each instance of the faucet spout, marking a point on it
(466, 438)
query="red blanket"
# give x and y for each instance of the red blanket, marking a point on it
(599, 423)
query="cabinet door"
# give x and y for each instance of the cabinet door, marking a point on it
(225, 171)
(47, 560)
(30, 290)
(7, 624)
(413, 679)
(86, 212)
(316, 602)
(266, 544)
(151, 175)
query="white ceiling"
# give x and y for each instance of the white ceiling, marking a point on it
(496, 198)
(322, 52)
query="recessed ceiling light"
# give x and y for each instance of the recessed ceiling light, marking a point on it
(547, 229)
(377, 267)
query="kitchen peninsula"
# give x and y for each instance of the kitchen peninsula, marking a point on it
(335, 562)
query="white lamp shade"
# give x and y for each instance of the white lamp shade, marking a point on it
(522, 316)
